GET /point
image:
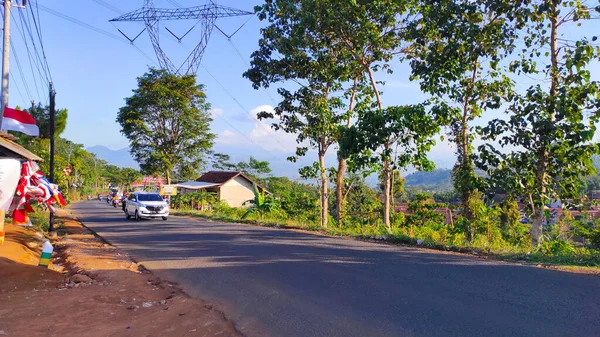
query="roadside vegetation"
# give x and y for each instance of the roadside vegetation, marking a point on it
(514, 97)
(535, 141)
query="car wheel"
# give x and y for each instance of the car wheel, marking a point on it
(164, 218)
(137, 216)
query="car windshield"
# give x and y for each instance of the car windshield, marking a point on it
(149, 197)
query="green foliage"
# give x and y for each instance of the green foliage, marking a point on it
(458, 46)
(552, 124)
(422, 210)
(363, 207)
(262, 204)
(254, 168)
(299, 201)
(513, 230)
(194, 200)
(41, 114)
(587, 230)
(168, 124)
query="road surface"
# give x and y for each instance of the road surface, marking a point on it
(281, 283)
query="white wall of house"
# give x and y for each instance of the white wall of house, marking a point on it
(236, 192)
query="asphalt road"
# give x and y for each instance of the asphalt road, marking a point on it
(284, 283)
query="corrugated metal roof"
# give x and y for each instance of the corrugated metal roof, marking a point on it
(8, 148)
(196, 185)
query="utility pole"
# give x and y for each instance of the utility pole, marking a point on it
(51, 175)
(5, 56)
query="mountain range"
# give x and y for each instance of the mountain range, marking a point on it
(279, 164)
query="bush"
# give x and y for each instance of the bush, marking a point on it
(556, 247)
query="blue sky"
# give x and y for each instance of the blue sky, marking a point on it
(93, 73)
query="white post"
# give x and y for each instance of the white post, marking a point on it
(5, 55)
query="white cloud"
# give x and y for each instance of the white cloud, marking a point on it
(261, 134)
(261, 108)
(227, 137)
(216, 112)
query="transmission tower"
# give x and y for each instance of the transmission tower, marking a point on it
(206, 16)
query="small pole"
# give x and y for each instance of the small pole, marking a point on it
(51, 174)
(5, 58)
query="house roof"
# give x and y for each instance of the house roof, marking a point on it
(196, 185)
(221, 177)
(8, 148)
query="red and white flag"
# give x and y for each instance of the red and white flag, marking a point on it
(21, 121)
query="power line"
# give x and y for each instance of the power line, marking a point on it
(31, 61)
(109, 6)
(37, 54)
(97, 30)
(243, 108)
(17, 86)
(175, 3)
(38, 28)
(248, 65)
(14, 51)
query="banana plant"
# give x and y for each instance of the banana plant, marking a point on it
(261, 204)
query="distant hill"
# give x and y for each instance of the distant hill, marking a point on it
(120, 158)
(436, 179)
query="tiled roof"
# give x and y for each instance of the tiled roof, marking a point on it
(218, 177)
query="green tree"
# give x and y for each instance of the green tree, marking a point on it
(410, 127)
(222, 161)
(129, 176)
(456, 50)
(41, 114)
(329, 43)
(254, 167)
(397, 186)
(552, 125)
(168, 124)
(286, 53)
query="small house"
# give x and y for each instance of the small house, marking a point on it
(233, 187)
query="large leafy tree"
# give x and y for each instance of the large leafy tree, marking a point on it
(293, 50)
(457, 47)
(410, 127)
(168, 124)
(550, 127)
(336, 46)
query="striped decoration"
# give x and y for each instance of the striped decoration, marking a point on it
(45, 260)
(46, 254)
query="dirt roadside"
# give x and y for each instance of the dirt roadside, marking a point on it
(92, 289)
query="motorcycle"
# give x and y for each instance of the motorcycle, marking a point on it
(115, 203)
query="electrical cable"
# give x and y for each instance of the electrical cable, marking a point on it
(31, 61)
(97, 30)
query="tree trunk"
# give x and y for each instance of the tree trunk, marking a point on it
(168, 176)
(536, 227)
(341, 172)
(386, 191)
(339, 190)
(386, 161)
(465, 165)
(324, 196)
(542, 155)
